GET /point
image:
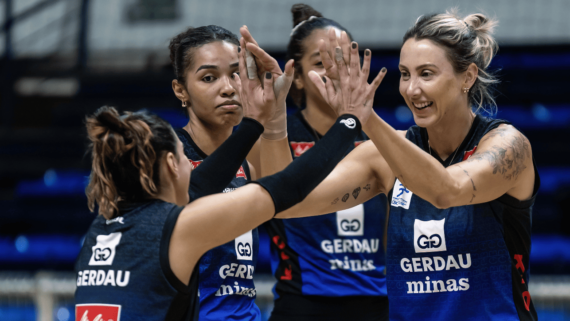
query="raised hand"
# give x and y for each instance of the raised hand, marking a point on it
(276, 128)
(345, 85)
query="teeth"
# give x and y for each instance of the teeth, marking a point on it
(423, 104)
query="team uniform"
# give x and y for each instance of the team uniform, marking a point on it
(123, 271)
(332, 265)
(226, 272)
(463, 263)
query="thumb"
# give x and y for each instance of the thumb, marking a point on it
(283, 83)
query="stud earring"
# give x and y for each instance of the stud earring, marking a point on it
(465, 90)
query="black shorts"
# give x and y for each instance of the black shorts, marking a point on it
(316, 308)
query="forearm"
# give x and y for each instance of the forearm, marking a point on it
(218, 170)
(275, 155)
(417, 170)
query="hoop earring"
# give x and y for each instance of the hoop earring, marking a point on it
(465, 90)
(184, 104)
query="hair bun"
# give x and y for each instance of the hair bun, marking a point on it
(302, 12)
(109, 117)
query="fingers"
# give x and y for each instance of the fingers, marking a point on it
(345, 45)
(269, 63)
(282, 84)
(326, 58)
(244, 31)
(242, 65)
(250, 64)
(354, 65)
(366, 66)
(339, 59)
(268, 93)
(374, 85)
(316, 79)
(238, 82)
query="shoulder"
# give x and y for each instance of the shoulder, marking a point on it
(506, 136)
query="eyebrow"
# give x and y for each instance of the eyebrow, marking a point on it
(234, 65)
(315, 54)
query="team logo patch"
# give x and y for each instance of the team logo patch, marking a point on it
(241, 173)
(349, 122)
(104, 250)
(97, 312)
(350, 222)
(244, 246)
(358, 143)
(401, 196)
(300, 147)
(468, 154)
(429, 236)
(195, 163)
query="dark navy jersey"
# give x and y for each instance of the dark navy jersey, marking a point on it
(226, 272)
(123, 270)
(337, 254)
(462, 263)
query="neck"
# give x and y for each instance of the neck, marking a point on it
(207, 137)
(319, 115)
(446, 135)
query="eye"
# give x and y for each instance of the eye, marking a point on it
(404, 74)
(426, 73)
(319, 64)
(208, 79)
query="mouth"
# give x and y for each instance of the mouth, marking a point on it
(423, 105)
(229, 104)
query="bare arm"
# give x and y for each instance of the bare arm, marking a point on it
(361, 175)
(502, 164)
(214, 220)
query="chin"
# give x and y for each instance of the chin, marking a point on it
(424, 122)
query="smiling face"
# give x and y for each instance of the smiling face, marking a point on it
(431, 88)
(210, 87)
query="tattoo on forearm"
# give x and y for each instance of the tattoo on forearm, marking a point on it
(508, 157)
(356, 192)
(345, 197)
(335, 201)
(472, 184)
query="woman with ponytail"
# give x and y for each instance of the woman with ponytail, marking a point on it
(327, 267)
(461, 186)
(141, 256)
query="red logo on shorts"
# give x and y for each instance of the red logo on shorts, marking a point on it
(469, 153)
(195, 163)
(97, 312)
(300, 148)
(240, 173)
(358, 143)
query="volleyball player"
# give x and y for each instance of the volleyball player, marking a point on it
(139, 258)
(205, 60)
(461, 186)
(328, 267)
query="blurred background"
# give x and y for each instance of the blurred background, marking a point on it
(62, 59)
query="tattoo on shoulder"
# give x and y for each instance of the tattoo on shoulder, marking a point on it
(507, 157)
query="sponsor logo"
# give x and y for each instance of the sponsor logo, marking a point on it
(437, 286)
(350, 246)
(300, 147)
(228, 189)
(429, 236)
(98, 312)
(352, 265)
(401, 196)
(104, 250)
(358, 143)
(469, 153)
(119, 219)
(244, 246)
(236, 289)
(237, 270)
(240, 173)
(436, 263)
(350, 222)
(103, 277)
(195, 163)
(349, 122)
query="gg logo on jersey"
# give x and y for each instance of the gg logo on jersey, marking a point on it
(102, 254)
(433, 241)
(351, 226)
(244, 249)
(244, 246)
(429, 236)
(350, 222)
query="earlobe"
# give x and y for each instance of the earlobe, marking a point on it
(299, 83)
(180, 92)
(471, 75)
(172, 165)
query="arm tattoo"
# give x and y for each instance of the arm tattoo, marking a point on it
(472, 183)
(356, 192)
(345, 197)
(335, 201)
(506, 158)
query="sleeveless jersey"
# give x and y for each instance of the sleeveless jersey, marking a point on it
(123, 271)
(462, 263)
(337, 254)
(226, 272)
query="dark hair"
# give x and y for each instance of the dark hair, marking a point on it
(295, 50)
(468, 40)
(126, 152)
(181, 45)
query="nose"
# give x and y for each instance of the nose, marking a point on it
(413, 89)
(228, 90)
